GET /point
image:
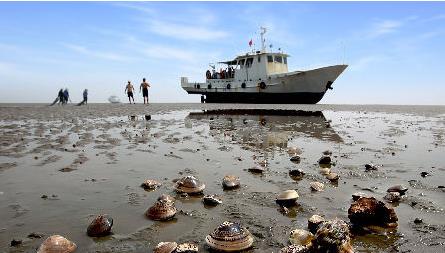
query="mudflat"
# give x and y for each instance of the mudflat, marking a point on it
(61, 166)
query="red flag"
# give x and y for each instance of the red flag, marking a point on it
(250, 43)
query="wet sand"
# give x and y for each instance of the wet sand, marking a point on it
(91, 160)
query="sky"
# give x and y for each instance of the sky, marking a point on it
(395, 50)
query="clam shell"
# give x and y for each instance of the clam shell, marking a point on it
(229, 236)
(324, 171)
(314, 222)
(230, 182)
(161, 210)
(332, 176)
(325, 160)
(392, 197)
(370, 166)
(166, 198)
(211, 200)
(296, 174)
(189, 185)
(165, 247)
(398, 188)
(187, 248)
(317, 186)
(333, 236)
(57, 244)
(257, 169)
(327, 152)
(294, 151)
(300, 237)
(100, 226)
(150, 184)
(294, 249)
(287, 198)
(357, 195)
(295, 158)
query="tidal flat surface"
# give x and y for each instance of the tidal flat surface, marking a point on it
(92, 160)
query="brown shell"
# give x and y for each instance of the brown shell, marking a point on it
(165, 247)
(230, 182)
(398, 188)
(300, 237)
(229, 236)
(288, 197)
(211, 200)
(332, 176)
(257, 169)
(317, 186)
(187, 248)
(324, 160)
(190, 185)
(161, 210)
(57, 244)
(314, 222)
(150, 184)
(370, 211)
(166, 198)
(333, 236)
(100, 226)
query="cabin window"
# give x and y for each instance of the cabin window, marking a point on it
(249, 62)
(269, 58)
(259, 58)
(278, 59)
(241, 62)
(285, 60)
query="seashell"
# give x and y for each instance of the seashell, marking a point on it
(166, 198)
(100, 226)
(161, 210)
(296, 174)
(369, 211)
(294, 151)
(211, 200)
(392, 197)
(324, 170)
(295, 159)
(300, 237)
(317, 186)
(187, 248)
(263, 163)
(314, 222)
(294, 249)
(370, 166)
(150, 184)
(332, 176)
(287, 198)
(324, 160)
(398, 188)
(165, 247)
(357, 195)
(57, 244)
(189, 185)
(229, 236)
(257, 169)
(230, 182)
(333, 236)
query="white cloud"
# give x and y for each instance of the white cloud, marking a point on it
(102, 55)
(384, 27)
(184, 31)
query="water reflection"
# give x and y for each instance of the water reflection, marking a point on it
(265, 129)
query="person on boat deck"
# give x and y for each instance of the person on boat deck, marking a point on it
(229, 71)
(213, 74)
(144, 87)
(223, 74)
(208, 74)
(85, 97)
(129, 90)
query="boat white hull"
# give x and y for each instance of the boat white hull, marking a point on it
(299, 87)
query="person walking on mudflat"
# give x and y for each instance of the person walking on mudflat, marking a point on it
(144, 87)
(85, 98)
(129, 90)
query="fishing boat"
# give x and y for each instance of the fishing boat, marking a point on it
(263, 77)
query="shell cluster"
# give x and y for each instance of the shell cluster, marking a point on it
(332, 236)
(150, 184)
(57, 244)
(189, 185)
(100, 226)
(229, 236)
(162, 210)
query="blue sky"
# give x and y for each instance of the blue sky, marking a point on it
(396, 51)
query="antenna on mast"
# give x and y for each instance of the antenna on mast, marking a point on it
(263, 40)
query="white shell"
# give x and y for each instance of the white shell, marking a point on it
(300, 237)
(57, 244)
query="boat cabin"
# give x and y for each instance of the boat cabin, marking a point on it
(252, 67)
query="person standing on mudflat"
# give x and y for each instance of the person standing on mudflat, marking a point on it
(144, 87)
(85, 98)
(129, 90)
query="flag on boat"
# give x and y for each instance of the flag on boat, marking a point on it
(250, 43)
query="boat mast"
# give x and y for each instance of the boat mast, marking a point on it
(263, 40)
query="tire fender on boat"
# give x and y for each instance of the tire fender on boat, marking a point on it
(229, 86)
(262, 85)
(243, 85)
(209, 86)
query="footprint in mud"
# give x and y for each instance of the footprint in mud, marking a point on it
(5, 166)
(50, 159)
(18, 209)
(134, 199)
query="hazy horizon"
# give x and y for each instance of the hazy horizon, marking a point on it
(395, 50)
